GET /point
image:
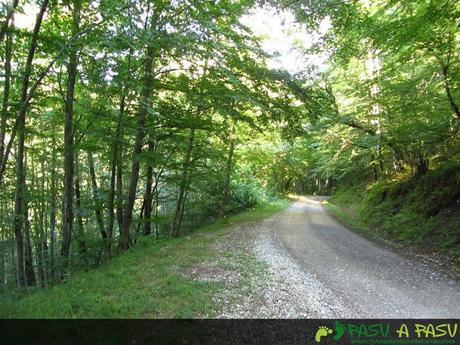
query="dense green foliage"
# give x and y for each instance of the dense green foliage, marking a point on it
(386, 136)
(123, 119)
(132, 118)
(393, 86)
(161, 287)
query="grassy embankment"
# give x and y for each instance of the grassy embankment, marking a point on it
(423, 213)
(148, 281)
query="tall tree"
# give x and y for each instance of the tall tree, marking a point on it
(72, 70)
(144, 104)
(19, 209)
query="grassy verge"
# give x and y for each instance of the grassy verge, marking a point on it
(148, 281)
(349, 217)
(422, 213)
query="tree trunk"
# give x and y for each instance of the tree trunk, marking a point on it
(148, 196)
(14, 266)
(19, 209)
(183, 185)
(6, 93)
(116, 175)
(141, 216)
(29, 260)
(380, 159)
(69, 139)
(228, 172)
(116, 167)
(53, 211)
(28, 255)
(18, 225)
(96, 197)
(40, 225)
(80, 229)
(9, 14)
(119, 189)
(144, 105)
(40, 253)
(445, 73)
(185, 180)
(157, 202)
(2, 270)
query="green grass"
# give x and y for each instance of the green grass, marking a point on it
(423, 213)
(348, 216)
(148, 281)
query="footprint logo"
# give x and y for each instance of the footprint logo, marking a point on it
(322, 331)
(339, 331)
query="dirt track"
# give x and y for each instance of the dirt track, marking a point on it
(318, 268)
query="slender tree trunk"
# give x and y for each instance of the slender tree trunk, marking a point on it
(14, 266)
(41, 242)
(183, 185)
(3, 253)
(2, 270)
(144, 105)
(148, 196)
(116, 172)
(69, 139)
(39, 225)
(96, 196)
(6, 93)
(157, 202)
(9, 14)
(39, 252)
(185, 179)
(53, 211)
(184, 199)
(445, 73)
(228, 172)
(379, 154)
(119, 188)
(80, 229)
(18, 226)
(115, 182)
(28, 259)
(141, 216)
(19, 209)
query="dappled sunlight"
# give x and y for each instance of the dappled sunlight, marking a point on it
(126, 120)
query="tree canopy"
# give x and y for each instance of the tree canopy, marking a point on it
(133, 118)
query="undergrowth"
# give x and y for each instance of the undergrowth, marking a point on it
(148, 281)
(421, 211)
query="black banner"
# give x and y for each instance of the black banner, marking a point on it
(226, 332)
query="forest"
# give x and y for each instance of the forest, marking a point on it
(132, 118)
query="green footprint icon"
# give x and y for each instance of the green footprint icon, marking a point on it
(322, 332)
(339, 331)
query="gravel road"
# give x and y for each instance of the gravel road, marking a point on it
(317, 268)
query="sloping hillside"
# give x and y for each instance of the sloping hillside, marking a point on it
(419, 211)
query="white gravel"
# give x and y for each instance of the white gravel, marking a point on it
(285, 290)
(302, 263)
